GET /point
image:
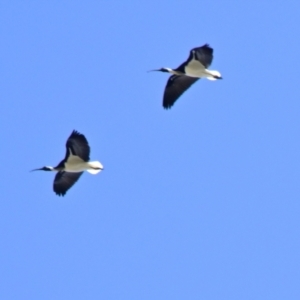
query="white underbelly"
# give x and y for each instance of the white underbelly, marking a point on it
(195, 69)
(75, 164)
(72, 168)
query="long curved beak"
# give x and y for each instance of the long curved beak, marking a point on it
(39, 169)
(156, 70)
(45, 169)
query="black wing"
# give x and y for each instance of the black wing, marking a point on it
(175, 87)
(203, 54)
(63, 181)
(78, 145)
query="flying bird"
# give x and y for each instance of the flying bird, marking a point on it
(194, 68)
(72, 166)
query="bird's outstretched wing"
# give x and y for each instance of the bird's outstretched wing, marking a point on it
(78, 145)
(175, 87)
(203, 54)
(63, 181)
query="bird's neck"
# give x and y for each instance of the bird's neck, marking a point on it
(171, 71)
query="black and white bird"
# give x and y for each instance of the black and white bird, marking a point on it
(72, 166)
(188, 73)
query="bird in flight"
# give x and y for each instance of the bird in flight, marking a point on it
(72, 166)
(194, 68)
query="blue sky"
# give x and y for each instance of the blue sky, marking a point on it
(198, 202)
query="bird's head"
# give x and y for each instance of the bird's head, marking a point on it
(46, 168)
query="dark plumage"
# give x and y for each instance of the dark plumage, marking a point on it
(63, 181)
(203, 54)
(195, 67)
(75, 162)
(78, 145)
(175, 87)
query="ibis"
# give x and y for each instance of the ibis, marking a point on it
(74, 164)
(194, 68)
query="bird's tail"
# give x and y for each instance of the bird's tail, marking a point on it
(213, 75)
(95, 167)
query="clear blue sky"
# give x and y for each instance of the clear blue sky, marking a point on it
(198, 202)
